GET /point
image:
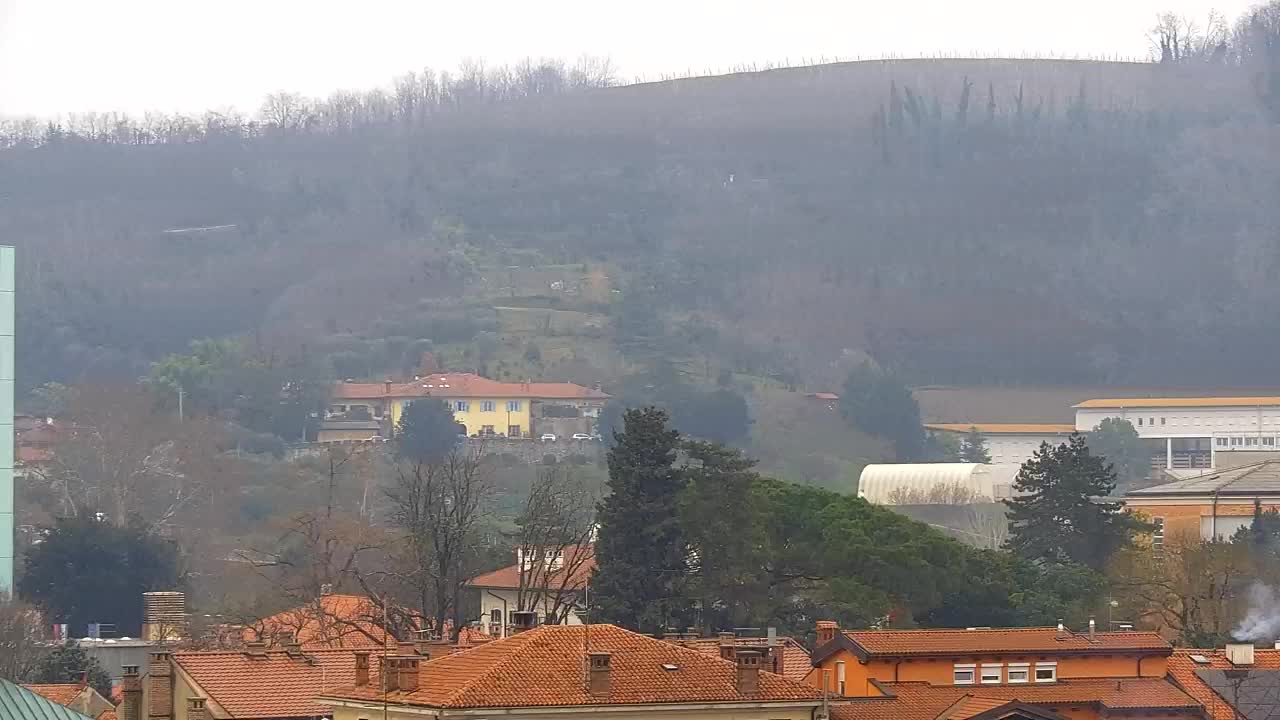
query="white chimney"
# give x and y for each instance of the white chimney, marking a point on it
(1240, 653)
(1278, 645)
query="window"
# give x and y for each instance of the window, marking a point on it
(1139, 422)
(1269, 441)
(1157, 535)
(840, 677)
(488, 406)
(963, 674)
(991, 674)
(513, 431)
(1161, 421)
(1220, 442)
(1251, 441)
(486, 429)
(513, 406)
(1046, 672)
(1236, 441)
(1019, 673)
(495, 615)
(462, 406)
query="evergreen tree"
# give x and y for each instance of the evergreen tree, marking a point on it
(879, 403)
(1116, 441)
(426, 432)
(973, 448)
(70, 664)
(641, 552)
(1057, 514)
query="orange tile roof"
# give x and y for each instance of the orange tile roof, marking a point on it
(795, 658)
(921, 701)
(276, 685)
(335, 621)
(61, 693)
(1006, 428)
(462, 385)
(508, 578)
(894, 643)
(1183, 671)
(543, 667)
(1180, 402)
(108, 715)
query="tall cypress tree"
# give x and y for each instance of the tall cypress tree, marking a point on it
(1059, 513)
(641, 553)
(973, 448)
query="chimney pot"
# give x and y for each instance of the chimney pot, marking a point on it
(748, 678)
(131, 692)
(390, 675)
(728, 643)
(598, 682)
(1062, 630)
(827, 631)
(326, 589)
(1093, 628)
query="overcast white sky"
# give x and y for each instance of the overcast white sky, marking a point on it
(60, 56)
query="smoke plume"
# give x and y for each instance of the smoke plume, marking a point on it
(1262, 622)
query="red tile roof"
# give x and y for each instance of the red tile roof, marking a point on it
(334, 621)
(61, 693)
(108, 715)
(508, 578)
(461, 385)
(1183, 671)
(795, 658)
(275, 685)
(921, 701)
(895, 643)
(544, 667)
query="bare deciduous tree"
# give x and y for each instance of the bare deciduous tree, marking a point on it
(19, 649)
(939, 494)
(553, 544)
(439, 507)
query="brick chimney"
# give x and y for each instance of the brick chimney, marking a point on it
(390, 675)
(748, 672)
(407, 669)
(195, 708)
(160, 681)
(827, 631)
(728, 643)
(131, 690)
(599, 678)
(362, 669)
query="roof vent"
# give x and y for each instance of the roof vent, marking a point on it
(669, 667)
(1240, 653)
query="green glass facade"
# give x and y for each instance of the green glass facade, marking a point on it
(6, 417)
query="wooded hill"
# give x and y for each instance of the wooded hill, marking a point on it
(958, 220)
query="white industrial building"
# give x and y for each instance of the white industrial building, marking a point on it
(883, 484)
(1009, 443)
(1187, 433)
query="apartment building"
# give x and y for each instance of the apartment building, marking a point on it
(1212, 504)
(1039, 673)
(1008, 443)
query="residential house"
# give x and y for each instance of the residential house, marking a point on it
(1008, 443)
(330, 621)
(80, 697)
(551, 587)
(1213, 504)
(585, 671)
(1234, 683)
(255, 682)
(481, 405)
(19, 703)
(1016, 672)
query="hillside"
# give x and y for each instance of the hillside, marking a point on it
(964, 221)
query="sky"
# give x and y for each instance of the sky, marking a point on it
(65, 56)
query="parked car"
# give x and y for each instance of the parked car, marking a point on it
(582, 436)
(548, 437)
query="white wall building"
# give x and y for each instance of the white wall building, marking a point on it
(554, 589)
(1190, 432)
(1009, 443)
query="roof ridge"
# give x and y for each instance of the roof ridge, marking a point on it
(506, 659)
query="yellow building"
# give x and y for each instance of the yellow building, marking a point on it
(484, 406)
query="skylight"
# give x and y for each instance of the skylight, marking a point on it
(1200, 659)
